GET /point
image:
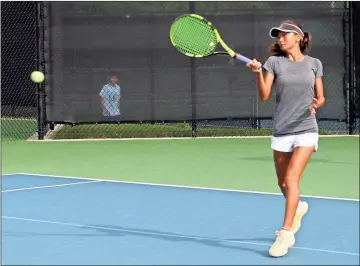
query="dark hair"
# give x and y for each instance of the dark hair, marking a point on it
(275, 49)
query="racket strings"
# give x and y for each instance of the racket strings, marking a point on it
(193, 36)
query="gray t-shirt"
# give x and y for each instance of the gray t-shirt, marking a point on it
(294, 84)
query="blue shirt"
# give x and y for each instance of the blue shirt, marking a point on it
(111, 96)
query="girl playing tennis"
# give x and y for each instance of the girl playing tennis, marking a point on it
(297, 80)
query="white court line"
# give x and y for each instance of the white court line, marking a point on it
(51, 186)
(173, 235)
(179, 186)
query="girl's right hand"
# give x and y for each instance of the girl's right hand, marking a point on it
(255, 66)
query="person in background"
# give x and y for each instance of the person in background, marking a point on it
(110, 96)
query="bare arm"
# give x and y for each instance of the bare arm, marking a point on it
(319, 99)
(263, 82)
(103, 104)
(319, 92)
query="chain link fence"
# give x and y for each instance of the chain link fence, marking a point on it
(18, 60)
(159, 92)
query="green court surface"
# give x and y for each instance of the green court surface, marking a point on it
(238, 163)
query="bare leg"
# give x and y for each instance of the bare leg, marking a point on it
(298, 162)
(289, 168)
(282, 161)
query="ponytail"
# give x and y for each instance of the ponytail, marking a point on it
(305, 43)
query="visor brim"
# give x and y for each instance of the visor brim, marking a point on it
(274, 32)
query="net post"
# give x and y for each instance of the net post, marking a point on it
(193, 85)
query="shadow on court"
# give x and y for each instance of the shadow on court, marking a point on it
(117, 231)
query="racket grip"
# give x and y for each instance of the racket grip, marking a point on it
(242, 58)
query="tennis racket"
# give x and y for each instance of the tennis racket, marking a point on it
(194, 36)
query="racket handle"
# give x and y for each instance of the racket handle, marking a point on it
(242, 58)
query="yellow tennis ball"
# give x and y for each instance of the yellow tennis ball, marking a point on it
(37, 76)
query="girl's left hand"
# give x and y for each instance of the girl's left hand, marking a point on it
(313, 106)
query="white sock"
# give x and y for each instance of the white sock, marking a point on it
(288, 232)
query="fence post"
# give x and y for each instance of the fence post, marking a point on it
(153, 74)
(355, 7)
(255, 50)
(40, 88)
(352, 100)
(193, 85)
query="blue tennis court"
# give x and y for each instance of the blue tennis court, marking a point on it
(48, 220)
